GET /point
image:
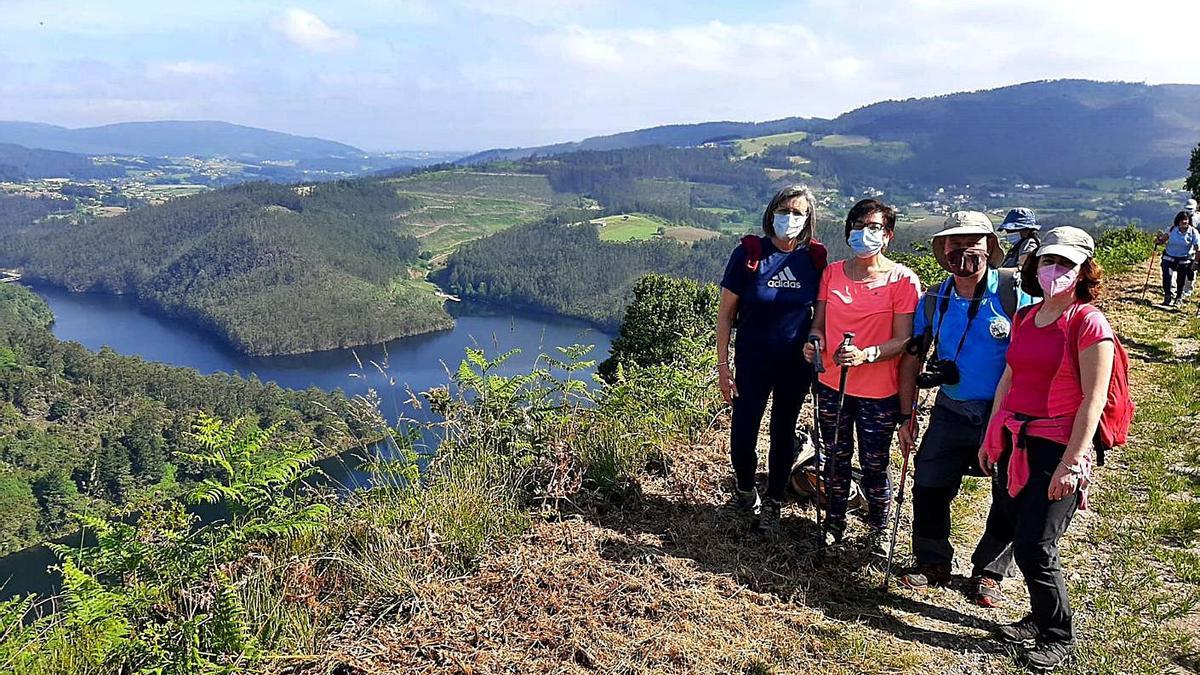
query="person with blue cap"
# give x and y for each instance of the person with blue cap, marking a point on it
(1021, 227)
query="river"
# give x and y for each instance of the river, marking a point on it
(414, 363)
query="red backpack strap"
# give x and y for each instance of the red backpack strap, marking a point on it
(752, 245)
(819, 255)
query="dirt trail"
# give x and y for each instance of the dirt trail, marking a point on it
(673, 581)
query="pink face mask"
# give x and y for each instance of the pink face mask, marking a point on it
(1057, 279)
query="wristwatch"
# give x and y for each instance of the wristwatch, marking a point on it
(872, 353)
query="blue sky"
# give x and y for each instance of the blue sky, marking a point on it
(472, 74)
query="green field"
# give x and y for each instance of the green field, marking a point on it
(442, 222)
(628, 227)
(755, 146)
(841, 141)
(452, 207)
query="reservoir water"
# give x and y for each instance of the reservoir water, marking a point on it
(414, 363)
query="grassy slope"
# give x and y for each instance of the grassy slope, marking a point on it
(669, 582)
(452, 207)
(629, 227)
(755, 146)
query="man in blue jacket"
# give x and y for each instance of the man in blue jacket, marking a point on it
(966, 320)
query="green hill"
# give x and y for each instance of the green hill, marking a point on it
(174, 138)
(272, 269)
(1056, 131)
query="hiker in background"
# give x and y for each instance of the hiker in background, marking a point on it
(1190, 208)
(1021, 228)
(1038, 445)
(1182, 241)
(768, 290)
(967, 319)
(874, 298)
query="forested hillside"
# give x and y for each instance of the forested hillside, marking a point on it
(1057, 131)
(272, 269)
(19, 163)
(568, 270)
(84, 432)
(681, 135)
(1053, 132)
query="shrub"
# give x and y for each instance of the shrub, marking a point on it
(1119, 248)
(665, 313)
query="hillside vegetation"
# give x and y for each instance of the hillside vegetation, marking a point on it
(1042, 132)
(272, 269)
(567, 530)
(86, 432)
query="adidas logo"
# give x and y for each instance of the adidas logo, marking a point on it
(784, 279)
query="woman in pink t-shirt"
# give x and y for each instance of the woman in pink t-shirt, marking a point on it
(1039, 440)
(874, 298)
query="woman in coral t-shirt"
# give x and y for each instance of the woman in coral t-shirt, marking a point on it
(874, 298)
(1038, 444)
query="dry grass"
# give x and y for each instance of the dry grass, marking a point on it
(672, 581)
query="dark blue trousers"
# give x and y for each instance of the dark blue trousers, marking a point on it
(759, 375)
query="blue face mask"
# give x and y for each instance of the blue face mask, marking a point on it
(788, 225)
(866, 243)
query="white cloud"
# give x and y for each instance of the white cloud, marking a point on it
(307, 31)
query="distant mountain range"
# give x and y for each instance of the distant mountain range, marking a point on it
(1047, 131)
(678, 135)
(175, 139)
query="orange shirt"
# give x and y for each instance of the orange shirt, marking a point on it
(865, 308)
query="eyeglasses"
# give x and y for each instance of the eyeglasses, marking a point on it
(793, 212)
(860, 225)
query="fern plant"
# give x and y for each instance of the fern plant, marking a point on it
(154, 594)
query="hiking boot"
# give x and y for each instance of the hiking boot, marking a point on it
(924, 576)
(985, 592)
(1046, 656)
(876, 543)
(1022, 632)
(746, 500)
(768, 520)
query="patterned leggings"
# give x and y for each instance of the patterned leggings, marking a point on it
(874, 422)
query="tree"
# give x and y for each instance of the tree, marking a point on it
(20, 509)
(1192, 184)
(665, 313)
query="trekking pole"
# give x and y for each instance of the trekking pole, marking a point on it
(847, 341)
(912, 430)
(818, 366)
(1149, 267)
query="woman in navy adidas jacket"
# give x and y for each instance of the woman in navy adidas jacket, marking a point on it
(768, 291)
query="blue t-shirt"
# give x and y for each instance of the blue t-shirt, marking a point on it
(1180, 244)
(981, 361)
(775, 301)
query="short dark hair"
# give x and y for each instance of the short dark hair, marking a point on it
(797, 190)
(865, 208)
(1182, 217)
(1087, 289)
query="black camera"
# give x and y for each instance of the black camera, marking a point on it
(938, 372)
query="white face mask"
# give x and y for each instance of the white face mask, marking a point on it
(788, 225)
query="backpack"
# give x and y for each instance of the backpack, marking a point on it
(753, 245)
(1117, 416)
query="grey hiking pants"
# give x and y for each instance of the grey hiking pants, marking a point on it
(948, 452)
(1035, 524)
